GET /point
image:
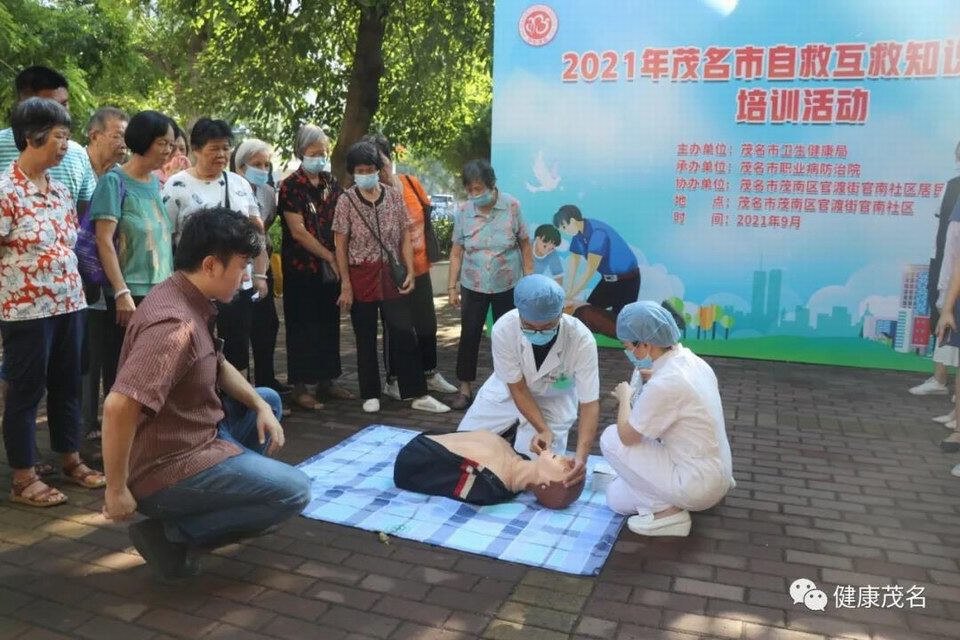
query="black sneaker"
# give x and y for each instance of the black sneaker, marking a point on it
(167, 559)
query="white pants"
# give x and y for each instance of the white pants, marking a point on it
(494, 410)
(648, 480)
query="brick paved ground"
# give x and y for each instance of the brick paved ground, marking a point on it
(839, 481)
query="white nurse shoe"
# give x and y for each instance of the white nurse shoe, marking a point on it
(645, 524)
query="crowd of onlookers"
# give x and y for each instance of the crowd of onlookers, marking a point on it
(86, 233)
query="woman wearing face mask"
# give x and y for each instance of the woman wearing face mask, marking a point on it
(311, 276)
(372, 239)
(134, 233)
(490, 253)
(420, 299)
(252, 161)
(670, 449)
(209, 184)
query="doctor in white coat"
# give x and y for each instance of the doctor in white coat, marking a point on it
(670, 449)
(544, 371)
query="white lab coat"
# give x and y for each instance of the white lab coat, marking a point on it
(684, 460)
(568, 377)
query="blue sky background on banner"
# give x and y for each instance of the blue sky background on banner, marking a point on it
(613, 145)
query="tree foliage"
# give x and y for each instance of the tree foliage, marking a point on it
(271, 65)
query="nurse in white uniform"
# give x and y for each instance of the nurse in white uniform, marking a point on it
(670, 449)
(544, 371)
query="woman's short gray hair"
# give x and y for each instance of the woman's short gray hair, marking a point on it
(308, 135)
(33, 119)
(249, 148)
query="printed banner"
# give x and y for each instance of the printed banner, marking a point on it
(776, 170)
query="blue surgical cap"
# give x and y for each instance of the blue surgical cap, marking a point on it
(647, 322)
(538, 298)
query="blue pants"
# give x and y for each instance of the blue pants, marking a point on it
(242, 497)
(41, 355)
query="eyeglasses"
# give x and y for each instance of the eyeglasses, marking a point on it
(542, 330)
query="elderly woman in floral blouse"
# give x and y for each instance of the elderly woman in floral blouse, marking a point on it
(371, 228)
(491, 251)
(41, 300)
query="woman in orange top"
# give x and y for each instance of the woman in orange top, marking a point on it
(421, 298)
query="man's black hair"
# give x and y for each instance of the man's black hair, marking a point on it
(549, 233)
(567, 213)
(32, 80)
(144, 128)
(207, 129)
(478, 170)
(363, 152)
(217, 232)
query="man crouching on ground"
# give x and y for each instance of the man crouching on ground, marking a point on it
(185, 436)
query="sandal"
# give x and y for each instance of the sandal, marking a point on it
(306, 401)
(44, 469)
(338, 393)
(47, 497)
(80, 474)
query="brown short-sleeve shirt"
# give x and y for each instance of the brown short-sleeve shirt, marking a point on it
(170, 364)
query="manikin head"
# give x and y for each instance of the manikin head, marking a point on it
(548, 488)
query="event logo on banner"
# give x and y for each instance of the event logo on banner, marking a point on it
(783, 174)
(538, 25)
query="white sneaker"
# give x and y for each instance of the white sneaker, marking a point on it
(372, 405)
(955, 471)
(392, 390)
(945, 418)
(438, 384)
(930, 387)
(646, 525)
(429, 404)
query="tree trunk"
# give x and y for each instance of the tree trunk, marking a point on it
(363, 92)
(726, 333)
(714, 331)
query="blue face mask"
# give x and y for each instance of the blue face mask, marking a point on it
(540, 338)
(483, 200)
(646, 363)
(256, 176)
(316, 164)
(366, 181)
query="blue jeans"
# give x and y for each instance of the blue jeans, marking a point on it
(242, 497)
(41, 355)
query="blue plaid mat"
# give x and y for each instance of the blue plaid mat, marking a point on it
(353, 486)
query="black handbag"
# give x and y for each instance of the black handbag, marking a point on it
(327, 274)
(398, 271)
(429, 235)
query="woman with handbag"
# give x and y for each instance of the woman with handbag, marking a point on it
(425, 252)
(134, 234)
(375, 259)
(311, 277)
(209, 184)
(252, 161)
